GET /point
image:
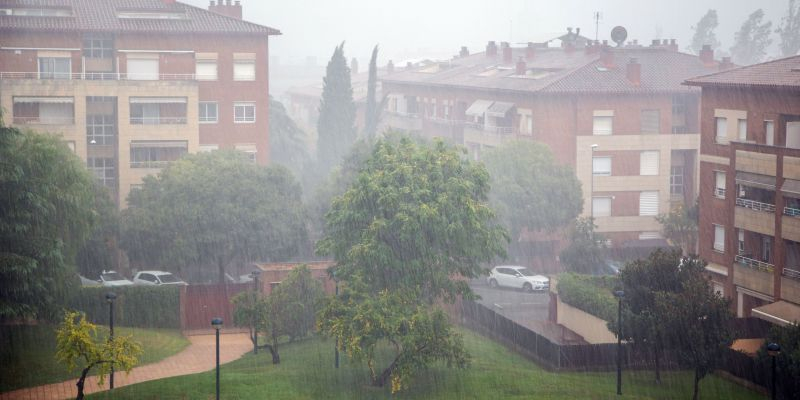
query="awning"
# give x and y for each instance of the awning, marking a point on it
(158, 100)
(49, 100)
(791, 188)
(499, 109)
(478, 108)
(159, 143)
(755, 180)
(780, 313)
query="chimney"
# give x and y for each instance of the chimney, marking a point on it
(655, 43)
(464, 52)
(521, 66)
(530, 51)
(725, 64)
(707, 55)
(607, 56)
(665, 42)
(506, 52)
(634, 71)
(491, 49)
(390, 67)
(227, 9)
(354, 66)
(409, 65)
(673, 45)
(590, 47)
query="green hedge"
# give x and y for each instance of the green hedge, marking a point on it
(135, 306)
(592, 294)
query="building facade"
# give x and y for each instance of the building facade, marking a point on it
(620, 117)
(133, 85)
(750, 187)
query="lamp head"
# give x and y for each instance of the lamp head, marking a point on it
(255, 273)
(773, 349)
(216, 323)
(620, 294)
(110, 297)
(595, 146)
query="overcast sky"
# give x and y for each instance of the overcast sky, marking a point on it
(437, 28)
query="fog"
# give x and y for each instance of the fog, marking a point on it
(436, 29)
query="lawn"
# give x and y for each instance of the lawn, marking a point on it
(306, 372)
(27, 353)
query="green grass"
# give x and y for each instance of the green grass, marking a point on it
(27, 353)
(306, 372)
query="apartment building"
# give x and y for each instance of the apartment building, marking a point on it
(619, 116)
(132, 85)
(750, 187)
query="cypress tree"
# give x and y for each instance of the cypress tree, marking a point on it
(337, 113)
(372, 112)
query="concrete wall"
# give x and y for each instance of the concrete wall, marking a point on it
(591, 328)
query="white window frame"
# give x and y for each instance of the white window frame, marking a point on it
(719, 238)
(239, 75)
(645, 196)
(244, 119)
(741, 129)
(598, 119)
(54, 62)
(207, 65)
(202, 113)
(598, 206)
(721, 127)
(719, 184)
(649, 162)
(769, 132)
(597, 164)
(676, 180)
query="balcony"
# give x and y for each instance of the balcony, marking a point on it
(791, 273)
(754, 217)
(404, 121)
(755, 205)
(792, 212)
(43, 120)
(105, 76)
(754, 264)
(753, 274)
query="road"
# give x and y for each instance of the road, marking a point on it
(515, 304)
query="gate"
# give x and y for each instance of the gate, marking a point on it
(201, 303)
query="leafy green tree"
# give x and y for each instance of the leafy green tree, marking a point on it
(209, 211)
(680, 227)
(46, 213)
(287, 142)
(249, 311)
(586, 249)
(337, 113)
(373, 109)
(98, 252)
(530, 190)
(789, 30)
(411, 227)
(752, 40)
(79, 345)
(699, 322)
(704, 32)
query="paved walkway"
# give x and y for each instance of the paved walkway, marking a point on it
(199, 356)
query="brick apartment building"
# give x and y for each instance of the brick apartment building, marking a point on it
(132, 85)
(628, 100)
(750, 187)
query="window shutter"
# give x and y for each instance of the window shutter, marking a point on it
(719, 237)
(742, 129)
(648, 163)
(720, 180)
(244, 71)
(601, 165)
(601, 206)
(143, 69)
(206, 70)
(650, 121)
(722, 128)
(793, 135)
(648, 203)
(603, 125)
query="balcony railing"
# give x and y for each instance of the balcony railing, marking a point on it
(445, 121)
(755, 205)
(404, 114)
(44, 120)
(792, 212)
(754, 264)
(108, 76)
(150, 164)
(499, 130)
(791, 273)
(158, 120)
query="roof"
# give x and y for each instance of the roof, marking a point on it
(780, 313)
(102, 16)
(781, 73)
(558, 70)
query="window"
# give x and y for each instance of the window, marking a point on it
(679, 107)
(648, 163)
(648, 203)
(601, 166)
(676, 180)
(769, 129)
(650, 121)
(649, 235)
(207, 148)
(719, 184)
(156, 154)
(206, 70)
(722, 129)
(244, 112)
(766, 249)
(249, 150)
(103, 169)
(143, 69)
(208, 112)
(98, 47)
(719, 238)
(793, 135)
(157, 110)
(740, 249)
(55, 68)
(742, 130)
(602, 123)
(43, 110)
(601, 206)
(100, 129)
(244, 70)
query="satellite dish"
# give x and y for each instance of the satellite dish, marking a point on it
(618, 35)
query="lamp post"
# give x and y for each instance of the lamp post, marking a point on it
(774, 350)
(217, 324)
(336, 346)
(619, 294)
(110, 297)
(256, 290)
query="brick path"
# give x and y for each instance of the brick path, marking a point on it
(199, 356)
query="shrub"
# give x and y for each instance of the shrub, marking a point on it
(592, 294)
(136, 306)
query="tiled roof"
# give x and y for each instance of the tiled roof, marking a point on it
(784, 72)
(556, 70)
(101, 16)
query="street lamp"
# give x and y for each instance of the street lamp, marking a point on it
(619, 294)
(774, 350)
(256, 290)
(217, 324)
(336, 346)
(110, 297)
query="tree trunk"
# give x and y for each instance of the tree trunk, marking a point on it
(82, 381)
(381, 379)
(696, 394)
(273, 350)
(657, 354)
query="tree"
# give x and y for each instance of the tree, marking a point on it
(209, 211)
(78, 345)
(337, 113)
(372, 114)
(586, 249)
(704, 32)
(699, 323)
(752, 39)
(680, 227)
(530, 190)
(411, 228)
(287, 142)
(97, 253)
(46, 213)
(790, 30)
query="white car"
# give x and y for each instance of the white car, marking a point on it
(518, 277)
(113, 278)
(156, 278)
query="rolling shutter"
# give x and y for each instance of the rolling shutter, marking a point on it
(648, 164)
(143, 69)
(648, 203)
(650, 121)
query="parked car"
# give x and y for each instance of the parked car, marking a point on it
(519, 277)
(86, 282)
(156, 278)
(113, 278)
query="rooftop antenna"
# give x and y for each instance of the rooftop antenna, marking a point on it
(597, 17)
